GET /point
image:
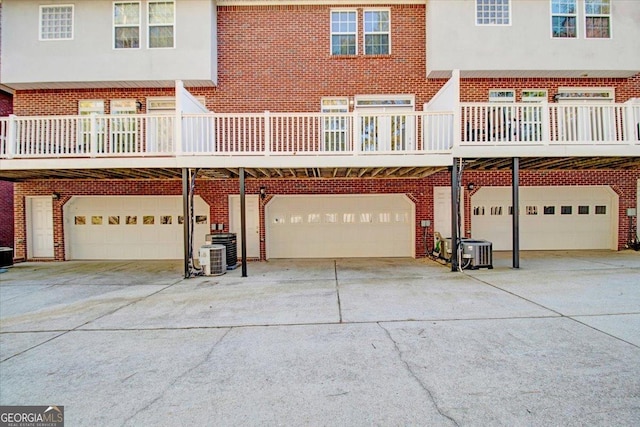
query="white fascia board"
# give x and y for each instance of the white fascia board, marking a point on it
(314, 2)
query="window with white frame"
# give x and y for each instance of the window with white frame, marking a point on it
(56, 22)
(564, 19)
(88, 107)
(383, 122)
(334, 128)
(531, 125)
(126, 25)
(124, 129)
(344, 32)
(161, 24)
(597, 16)
(377, 33)
(493, 12)
(502, 95)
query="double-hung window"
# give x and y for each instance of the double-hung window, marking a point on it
(493, 12)
(597, 19)
(564, 19)
(126, 25)
(56, 22)
(343, 32)
(376, 30)
(161, 24)
(377, 26)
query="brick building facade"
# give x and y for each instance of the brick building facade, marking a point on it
(278, 58)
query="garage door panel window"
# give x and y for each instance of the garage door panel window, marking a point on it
(114, 220)
(80, 220)
(583, 210)
(131, 220)
(601, 210)
(549, 210)
(96, 220)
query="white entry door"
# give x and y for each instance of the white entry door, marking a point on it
(40, 226)
(253, 223)
(442, 211)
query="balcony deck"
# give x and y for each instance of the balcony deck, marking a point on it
(421, 139)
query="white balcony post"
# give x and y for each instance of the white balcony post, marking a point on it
(630, 123)
(546, 123)
(355, 134)
(267, 133)
(93, 138)
(457, 124)
(177, 137)
(11, 136)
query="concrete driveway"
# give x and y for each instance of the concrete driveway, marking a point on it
(327, 342)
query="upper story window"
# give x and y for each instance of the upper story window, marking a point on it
(376, 32)
(377, 40)
(126, 25)
(493, 12)
(343, 32)
(161, 24)
(564, 19)
(56, 22)
(597, 19)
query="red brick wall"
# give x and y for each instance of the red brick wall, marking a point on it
(6, 214)
(215, 193)
(477, 90)
(6, 104)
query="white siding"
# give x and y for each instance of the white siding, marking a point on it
(526, 48)
(90, 56)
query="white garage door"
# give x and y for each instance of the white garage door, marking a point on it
(336, 226)
(130, 227)
(577, 217)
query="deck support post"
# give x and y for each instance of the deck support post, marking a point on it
(243, 222)
(515, 218)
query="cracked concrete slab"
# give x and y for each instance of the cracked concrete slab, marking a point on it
(64, 307)
(216, 303)
(550, 371)
(104, 378)
(327, 342)
(623, 326)
(443, 296)
(574, 292)
(298, 375)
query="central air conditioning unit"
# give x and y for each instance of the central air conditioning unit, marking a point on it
(477, 254)
(213, 259)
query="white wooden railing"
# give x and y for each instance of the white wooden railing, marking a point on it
(326, 134)
(549, 124)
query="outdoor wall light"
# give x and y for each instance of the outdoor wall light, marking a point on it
(55, 196)
(471, 186)
(139, 105)
(263, 192)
